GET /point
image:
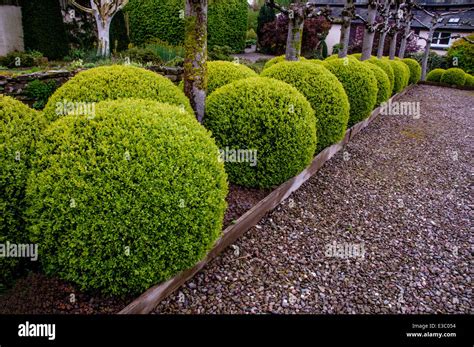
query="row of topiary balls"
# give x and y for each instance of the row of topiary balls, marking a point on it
(133, 191)
(453, 76)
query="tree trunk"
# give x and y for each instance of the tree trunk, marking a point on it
(403, 43)
(103, 33)
(347, 13)
(381, 44)
(424, 63)
(369, 33)
(295, 38)
(393, 45)
(195, 42)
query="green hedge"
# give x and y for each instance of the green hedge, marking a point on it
(267, 116)
(359, 83)
(435, 75)
(453, 76)
(469, 81)
(21, 127)
(383, 83)
(43, 28)
(221, 73)
(277, 60)
(386, 67)
(415, 70)
(325, 94)
(115, 82)
(463, 51)
(127, 199)
(227, 22)
(401, 74)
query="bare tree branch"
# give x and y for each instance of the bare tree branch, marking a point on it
(82, 8)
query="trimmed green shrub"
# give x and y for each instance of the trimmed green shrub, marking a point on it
(386, 67)
(360, 85)
(435, 75)
(221, 73)
(316, 61)
(325, 94)
(277, 60)
(127, 199)
(21, 127)
(43, 28)
(115, 82)
(267, 116)
(40, 91)
(469, 81)
(383, 83)
(463, 51)
(453, 76)
(415, 70)
(357, 55)
(400, 75)
(149, 19)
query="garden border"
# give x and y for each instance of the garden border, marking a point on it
(439, 84)
(147, 301)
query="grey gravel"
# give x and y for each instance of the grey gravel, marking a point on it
(401, 198)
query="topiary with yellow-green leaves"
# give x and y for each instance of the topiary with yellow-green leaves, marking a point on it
(415, 70)
(383, 83)
(221, 73)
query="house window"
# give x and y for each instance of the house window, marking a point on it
(453, 20)
(441, 39)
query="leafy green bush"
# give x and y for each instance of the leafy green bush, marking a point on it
(463, 51)
(115, 82)
(383, 83)
(21, 127)
(469, 81)
(17, 59)
(453, 76)
(325, 94)
(435, 61)
(267, 116)
(357, 55)
(220, 53)
(127, 199)
(40, 91)
(359, 83)
(277, 60)
(415, 70)
(386, 67)
(221, 73)
(142, 55)
(149, 19)
(435, 75)
(400, 75)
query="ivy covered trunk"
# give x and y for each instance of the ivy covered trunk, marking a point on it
(295, 32)
(369, 33)
(195, 42)
(347, 14)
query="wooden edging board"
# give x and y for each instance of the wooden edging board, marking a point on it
(146, 302)
(439, 84)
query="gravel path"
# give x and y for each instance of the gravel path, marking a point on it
(397, 199)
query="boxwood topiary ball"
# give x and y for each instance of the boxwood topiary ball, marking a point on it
(469, 81)
(221, 73)
(386, 67)
(111, 83)
(453, 76)
(127, 199)
(277, 60)
(267, 116)
(435, 75)
(415, 70)
(325, 94)
(21, 128)
(359, 83)
(383, 83)
(401, 74)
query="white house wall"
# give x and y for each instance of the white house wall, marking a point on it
(11, 30)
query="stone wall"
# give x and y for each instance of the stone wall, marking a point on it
(15, 86)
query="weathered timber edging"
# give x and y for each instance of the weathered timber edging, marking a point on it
(146, 302)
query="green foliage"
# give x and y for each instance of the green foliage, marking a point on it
(118, 33)
(383, 83)
(265, 15)
(415, 70)
(277, 60)
(357, 55)
(40, 91)
(43, 28)
(127, 199)
(401, 74)
(115, 82)
(142, 55)
(251, 35)
(469, 81)
(150, 19)
(359, 83)
(264, 115)
(463, 51)
(17, 59)
(252, 19)
(435, 75)
(325, 94)
(220, 53)
(453, 76)
(21, 127)
(386, 67)
(221, 73)
(435, 61)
